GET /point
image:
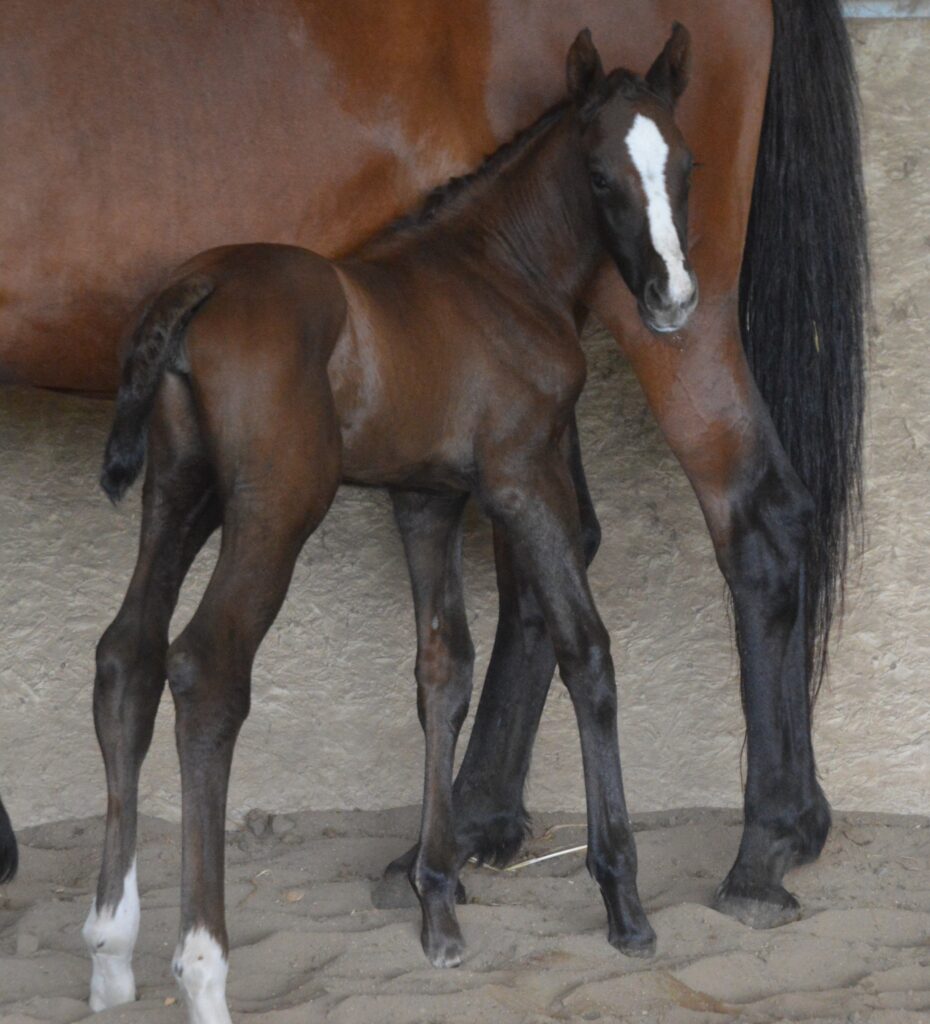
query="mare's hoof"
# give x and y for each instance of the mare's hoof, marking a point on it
(641, 945)
(394, 890)
(757, 906)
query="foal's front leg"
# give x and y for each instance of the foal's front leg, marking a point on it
(490, 817)
(534, 500)
(431, 527)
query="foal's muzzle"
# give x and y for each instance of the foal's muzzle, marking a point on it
(663, 314)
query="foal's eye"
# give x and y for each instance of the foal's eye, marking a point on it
(599, 182)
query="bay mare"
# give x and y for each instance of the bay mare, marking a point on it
(294, 121)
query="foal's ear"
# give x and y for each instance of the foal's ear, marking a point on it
(583, 68)
(668, 75)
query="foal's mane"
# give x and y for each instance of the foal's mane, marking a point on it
(444, 198)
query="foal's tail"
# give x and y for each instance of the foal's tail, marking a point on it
(9, 855)
(155, 347)
(804, 287)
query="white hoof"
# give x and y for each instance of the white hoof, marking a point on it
(110, 934)
(200, 968)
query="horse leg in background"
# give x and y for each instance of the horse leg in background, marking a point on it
(490, 818)
(431, 527)
(759, 515)
(179, 512)
(536, 503)
(281, 472)
(9, 852)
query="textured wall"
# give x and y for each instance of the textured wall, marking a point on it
(333, 721)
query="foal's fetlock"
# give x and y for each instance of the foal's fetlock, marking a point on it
(110, 933)
(200, 967)
(628, 928)
(440, 935)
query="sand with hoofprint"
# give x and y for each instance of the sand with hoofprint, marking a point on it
(309, 946)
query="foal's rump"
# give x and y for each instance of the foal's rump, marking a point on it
(250, 329)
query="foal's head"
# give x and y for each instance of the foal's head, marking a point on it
(639, 170)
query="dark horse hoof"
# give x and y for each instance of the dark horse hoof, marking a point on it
(9, 855)
(766, 906)
(394, 891)
(641, 945)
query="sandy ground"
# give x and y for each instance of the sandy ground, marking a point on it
(309, 946)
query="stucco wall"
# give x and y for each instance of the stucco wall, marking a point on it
(333, 721)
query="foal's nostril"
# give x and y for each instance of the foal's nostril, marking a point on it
(653, 295)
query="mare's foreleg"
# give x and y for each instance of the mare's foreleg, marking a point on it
(760, 516)
(179, 511)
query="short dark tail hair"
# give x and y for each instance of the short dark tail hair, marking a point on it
(155, 347)
(804, 290)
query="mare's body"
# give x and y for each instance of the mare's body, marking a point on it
(301, 121)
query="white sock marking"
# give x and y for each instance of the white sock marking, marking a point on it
(201, 968)
(649, 153)
(110, 934)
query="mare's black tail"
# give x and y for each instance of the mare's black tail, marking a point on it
(804, 286)
(155, 347)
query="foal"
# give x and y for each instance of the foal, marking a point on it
(441, 360)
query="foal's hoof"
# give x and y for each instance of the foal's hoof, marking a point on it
(444, 951)
(641, 944)
(394, 890)
(764, 906)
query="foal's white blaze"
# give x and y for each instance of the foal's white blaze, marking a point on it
(110, 934)
(649, 153)
(201, 968)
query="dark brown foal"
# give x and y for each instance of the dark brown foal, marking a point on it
(441, 360)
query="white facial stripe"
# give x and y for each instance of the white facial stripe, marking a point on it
(110, 934)
(649, 153)
(201, 968)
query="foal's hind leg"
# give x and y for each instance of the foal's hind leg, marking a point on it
(179, 512)
(276, 499)
(432, 534)
(535, 502)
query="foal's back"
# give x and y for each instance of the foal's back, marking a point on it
(421, 354)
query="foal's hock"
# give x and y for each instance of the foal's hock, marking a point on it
(440, 360)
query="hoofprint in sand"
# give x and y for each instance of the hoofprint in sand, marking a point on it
(309, 946)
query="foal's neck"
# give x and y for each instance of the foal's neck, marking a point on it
(536, 222)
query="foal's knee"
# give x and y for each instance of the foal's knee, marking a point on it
(208, 692)
(124, 663)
